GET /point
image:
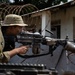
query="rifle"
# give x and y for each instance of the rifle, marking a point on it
(35, 39)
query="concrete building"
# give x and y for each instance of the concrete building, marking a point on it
(59, 19)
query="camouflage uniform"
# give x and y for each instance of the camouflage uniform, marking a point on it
(4, 56)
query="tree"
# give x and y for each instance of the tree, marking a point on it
(58, 1)
(40, 4)
(6, 1)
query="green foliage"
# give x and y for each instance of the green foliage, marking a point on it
(6, 1)
(40, 3)
(58, 1)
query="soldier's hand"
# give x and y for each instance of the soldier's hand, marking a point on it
(22, 49)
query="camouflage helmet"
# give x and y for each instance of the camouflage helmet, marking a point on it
(13, 20)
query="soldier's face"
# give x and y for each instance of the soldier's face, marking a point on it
(15, 30)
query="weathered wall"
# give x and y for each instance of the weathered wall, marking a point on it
(66, 17)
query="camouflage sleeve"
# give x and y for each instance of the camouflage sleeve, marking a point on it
(4, 57)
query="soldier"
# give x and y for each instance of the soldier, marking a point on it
(11, 26)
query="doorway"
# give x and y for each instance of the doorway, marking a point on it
(56, 31)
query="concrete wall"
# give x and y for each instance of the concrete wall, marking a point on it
(66, 17)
